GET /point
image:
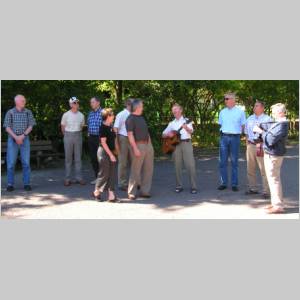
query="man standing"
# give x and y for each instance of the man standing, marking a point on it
(94, 124)
(141, 150)
(232, 120)
(122, 140)
(18, 123)
(184, 150)
(71, 127)
(254, 153)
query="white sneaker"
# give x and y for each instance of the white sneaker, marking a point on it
(93, 182)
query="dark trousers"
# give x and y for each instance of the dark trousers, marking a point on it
(93, 143)
(107, 172)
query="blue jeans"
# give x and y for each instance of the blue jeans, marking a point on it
(229, 146)
(11, 157)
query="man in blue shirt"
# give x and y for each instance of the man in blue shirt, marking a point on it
(254, 150)
(232, 120)
(94, 123)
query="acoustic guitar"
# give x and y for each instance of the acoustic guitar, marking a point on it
(169, 143)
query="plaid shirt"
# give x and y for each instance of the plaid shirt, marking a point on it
(94, 122)
(19, 121)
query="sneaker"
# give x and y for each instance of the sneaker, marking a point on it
(131, 197)
(10, 188)
(222, 187)
(93, 182)
(27, 188)
(178, 190)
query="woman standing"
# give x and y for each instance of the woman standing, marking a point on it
(106, 158)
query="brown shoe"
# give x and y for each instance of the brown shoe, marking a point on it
(131, 197)
(274, 210)
(81, 182)
(67, 182)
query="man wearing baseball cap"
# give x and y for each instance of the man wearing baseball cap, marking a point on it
(72, 123)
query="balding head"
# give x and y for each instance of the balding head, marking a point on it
(20, 101)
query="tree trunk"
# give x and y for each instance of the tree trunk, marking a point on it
(119, 92)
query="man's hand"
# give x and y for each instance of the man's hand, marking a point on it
(137, 152)
(19, 139)
(257, 129)
(171, 134)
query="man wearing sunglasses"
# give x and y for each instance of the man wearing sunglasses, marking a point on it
(232, 121)
(71, 126)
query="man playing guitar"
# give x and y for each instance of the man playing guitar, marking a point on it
(183, 153)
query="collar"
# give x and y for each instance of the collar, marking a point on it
(22, 110)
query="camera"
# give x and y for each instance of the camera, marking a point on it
(265, 127)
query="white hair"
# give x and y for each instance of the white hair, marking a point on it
(280, 107)
(230, 95)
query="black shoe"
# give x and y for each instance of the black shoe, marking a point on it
(27, 188)
(222, 187)
(235, 189)
(251, 192)
(194, 191)
(178, 190)
(10, 188)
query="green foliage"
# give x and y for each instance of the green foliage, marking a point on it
(201, 99)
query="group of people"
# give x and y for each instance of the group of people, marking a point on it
(125, 141)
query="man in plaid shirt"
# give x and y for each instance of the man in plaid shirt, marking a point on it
(18, 123)
(94, 123)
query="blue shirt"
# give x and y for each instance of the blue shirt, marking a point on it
(231, 120)
(252, 121)
(94, 122)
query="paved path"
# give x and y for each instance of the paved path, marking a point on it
(50, 199)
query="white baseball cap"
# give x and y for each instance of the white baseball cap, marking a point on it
(73, 100)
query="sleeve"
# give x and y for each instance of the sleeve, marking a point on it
(275, 134)
(64, 120)
(8, 120)
(243, 118)
(117, 122)
(220, 118)
(129, 124)
(103, 132)
(246, 129)
(31, 119)
(168, 129)
(190, 125)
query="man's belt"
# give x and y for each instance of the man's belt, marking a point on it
(123, 135)
(230, 134)
(252, 143)
(186, 140)
(94, 135)
(142, 142)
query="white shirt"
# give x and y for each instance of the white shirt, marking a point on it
(120, 121)
(176, 124)
(231, 120)
(252, 121)
(72, 121)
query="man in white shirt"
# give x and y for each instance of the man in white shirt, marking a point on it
(253, 148)
(122, 140)
(183, 153)
(72, 123)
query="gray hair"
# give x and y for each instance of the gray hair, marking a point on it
(135, 103)
(19, 95)
(230, 95)
(280, 107)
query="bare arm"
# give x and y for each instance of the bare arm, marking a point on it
(133, 144)
(107, 150)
